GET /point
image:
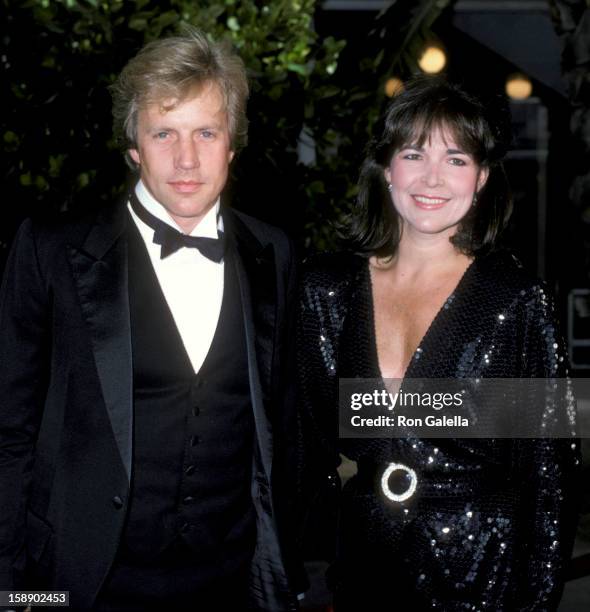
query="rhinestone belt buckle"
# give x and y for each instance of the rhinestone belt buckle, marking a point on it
(398, 467)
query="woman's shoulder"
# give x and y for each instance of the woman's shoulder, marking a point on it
(503, 273)
(332, 272)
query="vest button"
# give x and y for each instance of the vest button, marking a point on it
(117, 502)
(189, 470)
(195, 440)
(198, 382)
(188, 499)
(196, 411)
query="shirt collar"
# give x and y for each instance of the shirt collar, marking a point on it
(207, 226)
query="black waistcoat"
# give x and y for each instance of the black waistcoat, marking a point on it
(193, 434)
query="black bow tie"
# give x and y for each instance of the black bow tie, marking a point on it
(171, 239)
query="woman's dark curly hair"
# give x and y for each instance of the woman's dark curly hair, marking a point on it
(425, 105)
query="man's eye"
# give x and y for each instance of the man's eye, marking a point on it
(161, 135)
(207, 134)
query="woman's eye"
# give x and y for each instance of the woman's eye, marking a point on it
(455, 161)
(412, 156)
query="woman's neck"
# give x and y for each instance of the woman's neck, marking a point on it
(424, 256)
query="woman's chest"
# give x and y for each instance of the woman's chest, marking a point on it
(402, 321)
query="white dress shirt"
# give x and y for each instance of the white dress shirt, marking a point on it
(191, 283)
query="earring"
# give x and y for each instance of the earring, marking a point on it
(389, 187)
(474, 201)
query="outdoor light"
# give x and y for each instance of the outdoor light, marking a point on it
(433, 59)
(518, 86)
(393, 86)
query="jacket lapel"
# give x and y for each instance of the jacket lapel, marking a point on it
(256, 271)
(99, 267)
(255, 268)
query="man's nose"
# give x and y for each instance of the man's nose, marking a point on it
(187, 154)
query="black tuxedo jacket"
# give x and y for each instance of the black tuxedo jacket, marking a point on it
(66, 400)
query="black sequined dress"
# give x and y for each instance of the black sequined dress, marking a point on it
(491, 524)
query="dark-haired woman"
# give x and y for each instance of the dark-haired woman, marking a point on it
(468, 524)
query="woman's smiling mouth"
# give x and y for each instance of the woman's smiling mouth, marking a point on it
(429, 202)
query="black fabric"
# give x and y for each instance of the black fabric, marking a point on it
(491, 524)
(193, 445)
(169, 585)
(66, 414)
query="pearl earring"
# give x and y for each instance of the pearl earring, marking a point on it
(389, 187)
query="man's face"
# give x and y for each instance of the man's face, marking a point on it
(184, 153)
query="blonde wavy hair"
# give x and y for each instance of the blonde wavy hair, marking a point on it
(173, 68)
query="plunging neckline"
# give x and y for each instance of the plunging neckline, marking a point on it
(429, 330)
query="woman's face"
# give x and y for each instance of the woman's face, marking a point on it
(433, 185)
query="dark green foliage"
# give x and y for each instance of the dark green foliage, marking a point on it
(59, 57)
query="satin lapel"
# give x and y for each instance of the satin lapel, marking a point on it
(99, 267)
(255, 268)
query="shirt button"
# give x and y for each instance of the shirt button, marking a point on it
(185, 528)
(195, 440)
(189, 470)
(117, 502)
(187, 500)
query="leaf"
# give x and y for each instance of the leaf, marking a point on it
(25, 179)
(10, 137)
(41, 183)
(232, 24)
(83, 180)
(298, 68)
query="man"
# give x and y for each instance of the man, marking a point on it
(144, 378)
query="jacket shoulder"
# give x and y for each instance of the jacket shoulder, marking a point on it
(71, 226)
(503, 272)
(264, 232)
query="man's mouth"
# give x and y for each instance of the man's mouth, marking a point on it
(185, 186)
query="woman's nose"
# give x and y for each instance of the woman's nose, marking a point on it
(432, 175)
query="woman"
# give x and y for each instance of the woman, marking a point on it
(465, 524)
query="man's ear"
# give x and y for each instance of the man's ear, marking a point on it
(482, 178)
(134, 154)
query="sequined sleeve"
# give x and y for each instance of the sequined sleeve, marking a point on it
(325, 291)
(549, 466)
(321, 315)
